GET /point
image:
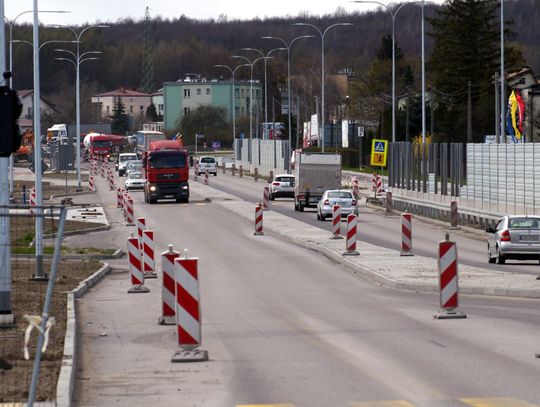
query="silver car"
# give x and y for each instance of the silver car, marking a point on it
(134, 180)
(514, 237)
(282, 186)
(342, 197)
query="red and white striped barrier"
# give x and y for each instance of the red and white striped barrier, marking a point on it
(241, 171)
(258, 220)
(188, 314)
(233, 170)
(111, 180)
(168, 290)
(350, 244)
(270, 176)
(266, 198)
(135, 269)
(388, 203)
(336, 222)
(91, 184)
(256, 174)
(125, 199)
(148, 257)
(119, 200)
(196, 172)
(406, 235)
(355, 188)
(448, 281)
(140, 223)
(33, 199)
(205, 177)
(377, 184)
(102, 170)
(454, 215)
(130, 216)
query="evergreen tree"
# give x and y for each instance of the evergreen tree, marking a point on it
(151, 113)
(466, 49)
(120, 120)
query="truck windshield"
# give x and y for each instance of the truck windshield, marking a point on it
(167, 159)
(100, 143)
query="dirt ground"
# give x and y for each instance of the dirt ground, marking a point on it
(28, 298)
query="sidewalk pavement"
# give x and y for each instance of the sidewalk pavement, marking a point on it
(385, 266)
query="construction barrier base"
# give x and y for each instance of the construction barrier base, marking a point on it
(44, 278)
(138, 289)
(454, 227)
(150, 275)
(353, 253)
(167, 320)
(449, 314)
(336, 237)
(187, 356)
(258, 233)
(406, 253)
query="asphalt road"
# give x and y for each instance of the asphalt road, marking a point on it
(285, 326)
(385, 231)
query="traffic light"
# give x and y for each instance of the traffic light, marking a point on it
(10, 110)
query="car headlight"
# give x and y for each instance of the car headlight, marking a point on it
(153, 188)
(185, 187)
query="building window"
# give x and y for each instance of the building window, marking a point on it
(108, 110)
(30, 112)
(242, 91)
(160, 108)
(187, 93)
(237, 93)
(236, 110)
(207, 91)
(186, 110)
(199, 91)
(142, 109)
(258, 93)
(131, 109)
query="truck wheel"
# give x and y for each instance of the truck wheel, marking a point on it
(152, 201)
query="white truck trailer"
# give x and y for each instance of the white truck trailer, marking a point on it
(315, 173)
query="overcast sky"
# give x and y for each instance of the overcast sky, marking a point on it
(82, 11)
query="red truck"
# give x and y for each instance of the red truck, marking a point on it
(166, 170)
(103, 144)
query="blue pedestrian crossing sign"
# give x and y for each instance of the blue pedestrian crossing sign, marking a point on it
(379, 149)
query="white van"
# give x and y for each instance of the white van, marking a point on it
(207, 163)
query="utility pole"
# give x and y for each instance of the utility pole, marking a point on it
(497, 112)
(317, 113)
(297, 123)
(6, 313)
(147, 79)
(407, 117)
(469, 113)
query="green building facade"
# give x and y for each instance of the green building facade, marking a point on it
(184, 96)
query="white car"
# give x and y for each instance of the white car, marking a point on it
(134, 180)
(122, 161)
(207, 163)
(342, 197)
(282, 186)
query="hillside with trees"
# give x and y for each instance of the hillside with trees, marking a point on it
(183, 45)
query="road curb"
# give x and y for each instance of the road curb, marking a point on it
(66, 378)
(72, 194)
(119, 253)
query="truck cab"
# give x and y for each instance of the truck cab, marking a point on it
(166, 170)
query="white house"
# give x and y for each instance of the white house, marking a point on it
(27, 100)
(135, 103)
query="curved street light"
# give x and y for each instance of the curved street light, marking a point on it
(233, 73)
(322, 34)
(78, 57)
(288, 47)
(393, 13)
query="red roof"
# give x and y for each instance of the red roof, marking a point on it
(123, 93)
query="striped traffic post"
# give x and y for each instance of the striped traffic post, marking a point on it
(141, 227)
(91, 184)
(205, 177)
(188, 311)
(119, 202)
(350, 244)
(270, 176)
(448, 281)
(32, 199)
(130, 216)
(406, 235)
(256, 174)
(374, 183)
(258, 220)
(125, 200)
(135, 269)
(241, 171)
(454, 215)
(148, 256)
(266, 198)
(336, 222)
(233, 170)
(223, 168)
(111, 180)
(168, 291)
(196, 172)
(356, 188)
(380, 188)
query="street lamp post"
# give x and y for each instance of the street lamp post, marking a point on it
(503, 88)
(288, 47)
(267, 56)
(11, 23)
(233, 73)
(393, 14)
(322, 34)
(78, 57)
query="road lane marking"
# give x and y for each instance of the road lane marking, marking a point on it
(497, 402)
(265, 405)
(388, 403)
